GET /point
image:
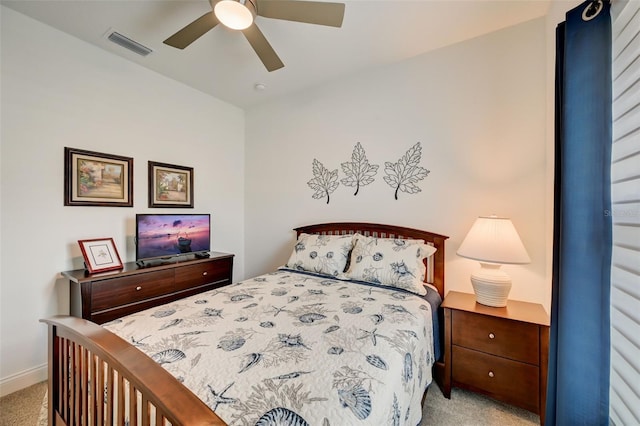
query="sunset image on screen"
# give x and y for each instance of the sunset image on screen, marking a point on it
(168, 235)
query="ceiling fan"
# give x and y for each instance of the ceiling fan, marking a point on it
(240, 14)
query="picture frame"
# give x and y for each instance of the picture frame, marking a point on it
(100, 254)
(170, 185)
(97, 179)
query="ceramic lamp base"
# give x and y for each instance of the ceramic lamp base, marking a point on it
(491, 285)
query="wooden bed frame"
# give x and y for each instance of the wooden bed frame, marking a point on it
(86, 360)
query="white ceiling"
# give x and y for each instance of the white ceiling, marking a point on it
(223, 64)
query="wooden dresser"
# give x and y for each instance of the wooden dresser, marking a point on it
(499, 352)
(109, 295)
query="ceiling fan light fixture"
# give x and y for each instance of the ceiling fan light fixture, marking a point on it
(235, 14)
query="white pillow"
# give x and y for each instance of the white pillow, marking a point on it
(322, 254)
(391, 262)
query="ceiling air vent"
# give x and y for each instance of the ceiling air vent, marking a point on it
(127, 43)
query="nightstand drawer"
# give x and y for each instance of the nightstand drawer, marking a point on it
(107, 294)
(511, 339)
(188, 277)
(510, 381)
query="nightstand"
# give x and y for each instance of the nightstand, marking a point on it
(499, 352)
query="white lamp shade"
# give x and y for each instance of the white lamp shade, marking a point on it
(494, 239)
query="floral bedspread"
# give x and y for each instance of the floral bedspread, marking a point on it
(290, 348)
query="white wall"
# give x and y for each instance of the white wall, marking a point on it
(58, 91)
(477, 107)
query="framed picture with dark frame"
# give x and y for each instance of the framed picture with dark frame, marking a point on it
(170, 185)
(100, 254)
(97, 179)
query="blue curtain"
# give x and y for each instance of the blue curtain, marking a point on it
(579, 354)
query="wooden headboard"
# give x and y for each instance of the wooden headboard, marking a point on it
(435, 264)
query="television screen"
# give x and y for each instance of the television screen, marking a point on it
(166, 235)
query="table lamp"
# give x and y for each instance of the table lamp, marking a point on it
(493, 241)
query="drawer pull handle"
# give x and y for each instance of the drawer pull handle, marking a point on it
(491, 374)
(139, 288)
(492, 336)
(204, 273)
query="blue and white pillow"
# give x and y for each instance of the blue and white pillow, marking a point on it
(322, 254)
(391, 262)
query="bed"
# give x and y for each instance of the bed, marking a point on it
(331, 338)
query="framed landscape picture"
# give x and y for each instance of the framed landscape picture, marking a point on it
(170, 185)
(97, 179)
(100, 255)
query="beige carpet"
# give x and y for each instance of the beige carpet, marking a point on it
(42, 418)
(470, 409)
(24, 407)
(29, 408)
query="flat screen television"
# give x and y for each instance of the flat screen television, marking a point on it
(170, 235)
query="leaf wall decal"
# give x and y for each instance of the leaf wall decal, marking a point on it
(324, 182)
(359, 172)
(404, 174)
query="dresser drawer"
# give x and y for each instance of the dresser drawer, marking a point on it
(509, 381)
(191, 276)
(107, 294)
(498, 336)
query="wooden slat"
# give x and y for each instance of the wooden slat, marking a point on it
(133, 406)
(108, 414)
(100, 386)
(74, 386)
(145, 411)
(84, 379)
(120, 404)
(93, 389)
(63, 377)
(53, 371)
(68, 378)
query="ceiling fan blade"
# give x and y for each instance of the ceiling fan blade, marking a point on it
(193, 31)
(265, 52)
(310, 12)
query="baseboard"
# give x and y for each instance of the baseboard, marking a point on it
(23, 379)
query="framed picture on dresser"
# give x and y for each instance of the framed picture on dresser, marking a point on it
(100, 254)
